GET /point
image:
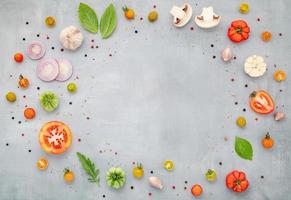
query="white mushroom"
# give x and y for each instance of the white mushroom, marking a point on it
(155, 182)
(255, 66)
(71, 37)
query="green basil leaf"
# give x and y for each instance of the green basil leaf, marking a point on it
(243, 148)
(88, 18)
(108, 21)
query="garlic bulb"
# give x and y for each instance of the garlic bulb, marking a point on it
(155, 182)
(255, 66)
(71, 37)
(226, 54)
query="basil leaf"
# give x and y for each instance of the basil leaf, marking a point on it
(108, 21)
(88, 18)
(243, 148)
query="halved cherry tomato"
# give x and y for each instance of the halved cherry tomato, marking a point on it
(55, 137)
(18, 57)
(261, 102)
(237, 181)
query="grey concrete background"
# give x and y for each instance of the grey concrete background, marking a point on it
(160, 96)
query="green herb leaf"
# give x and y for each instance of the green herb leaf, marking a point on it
(108, 21)
(88, 18)
(89, 168)
(243, 148)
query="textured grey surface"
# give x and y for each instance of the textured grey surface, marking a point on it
(160, 96)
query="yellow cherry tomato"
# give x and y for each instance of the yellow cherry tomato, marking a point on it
(42, 164)
(137, 171)
(266, 36)
(69, 176)
(279, 75)
(169, 165)
(11, 97)
(153, 16)
(241, 122)
(244, 8)
(50, 21)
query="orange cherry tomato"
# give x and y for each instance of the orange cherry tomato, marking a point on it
(267, 141)
(23, 82)
(42, 164)
(261, 102)
(29, 113)
(266, 36)
(69, 175)
(196, 190)
(18, 57)
(128, 12)
(279, 75)
(55, 137)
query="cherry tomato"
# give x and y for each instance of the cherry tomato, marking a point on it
(261, 102)
(29, 113)
(18, 57)
(267, 141)
(42, 164)
(196, 190)
(279, 75)
(23, 82)
(69, 175)
(55, 137)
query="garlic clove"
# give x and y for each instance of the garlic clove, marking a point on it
(155, 182)
(226, 54)
(279, 116)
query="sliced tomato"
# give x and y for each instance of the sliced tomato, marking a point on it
(261, 102)
(55, 137)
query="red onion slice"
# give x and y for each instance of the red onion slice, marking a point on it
(65, 70)
(47, 69)
(35, 50)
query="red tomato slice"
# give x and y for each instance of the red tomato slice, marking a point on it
(55, 137)
(261, 102)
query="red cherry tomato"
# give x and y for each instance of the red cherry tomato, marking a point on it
(18, 57)
(237, 181)
(261, 102)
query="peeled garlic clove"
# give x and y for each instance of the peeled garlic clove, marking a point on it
(71, 37)
(279, 116)
(226, 54)
(155, 182)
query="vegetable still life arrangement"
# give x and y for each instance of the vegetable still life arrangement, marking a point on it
(56, 138)
(90, 168)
